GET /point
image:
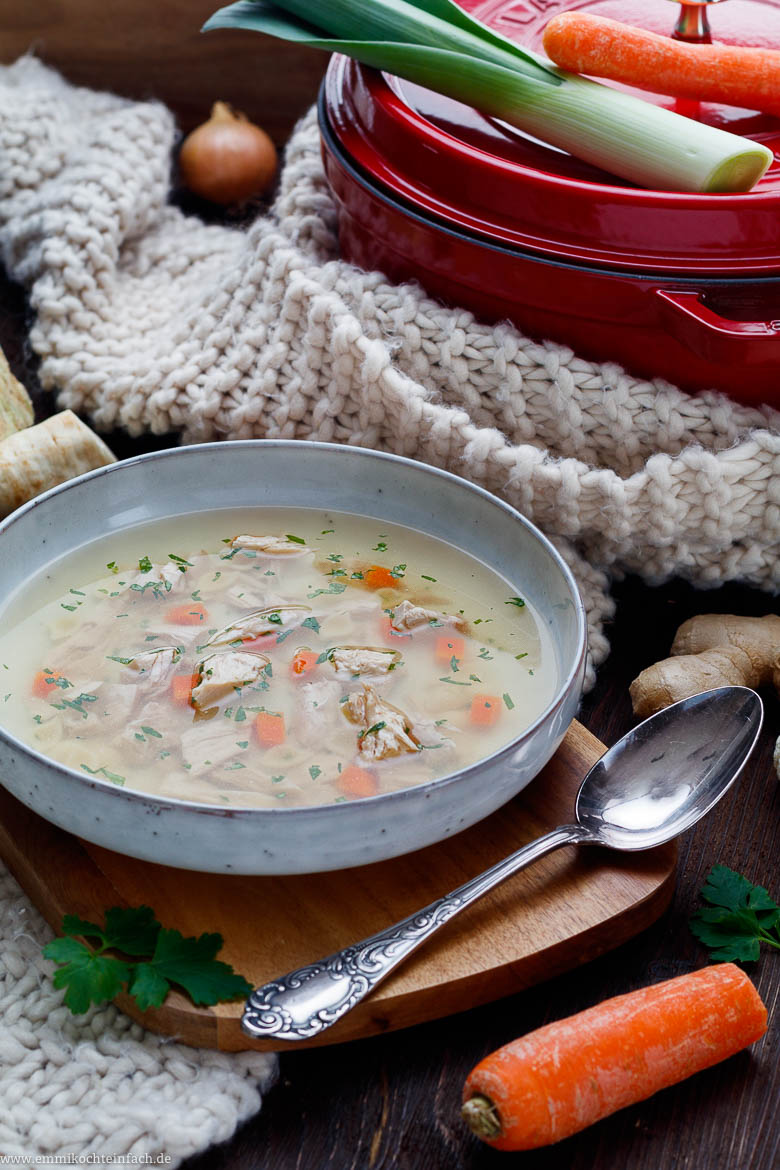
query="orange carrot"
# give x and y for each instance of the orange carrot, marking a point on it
(181, 688)
(731, 74)
(190, 614)
(44, 682)
(270, 729)
(262, 642)
(377, 577)
(565, 1076)
(355, 781)
(485, 710)
(303, 662)
(449, 647)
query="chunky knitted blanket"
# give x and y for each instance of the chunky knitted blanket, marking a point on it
(149, 320)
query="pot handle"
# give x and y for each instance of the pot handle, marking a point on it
(718, 339)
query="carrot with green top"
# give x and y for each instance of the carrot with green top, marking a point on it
(357, 782)
(567, 1075)
(485, 710)
(732, 74)
(270, 729)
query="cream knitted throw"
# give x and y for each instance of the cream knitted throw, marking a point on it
(148, 320)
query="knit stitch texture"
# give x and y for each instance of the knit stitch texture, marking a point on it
(149, 320)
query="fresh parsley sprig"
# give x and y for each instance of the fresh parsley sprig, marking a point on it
(739, 918)
(151, 959)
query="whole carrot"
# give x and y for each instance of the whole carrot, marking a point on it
(563, 1077)
(731, 74)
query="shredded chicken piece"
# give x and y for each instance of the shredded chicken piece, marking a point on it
(98, 708)
(156, 664)
(349, 661)
(161, 579)
(222, 673)
(208, 747)
(385, 730)
(318, 700)
(272, 545)
(270, 620)
(407, 616)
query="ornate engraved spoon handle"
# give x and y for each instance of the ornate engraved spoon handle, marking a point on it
(307, 1001)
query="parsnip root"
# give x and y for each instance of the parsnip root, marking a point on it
(16, 409)
(40, 457)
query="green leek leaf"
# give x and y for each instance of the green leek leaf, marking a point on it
(435, 44)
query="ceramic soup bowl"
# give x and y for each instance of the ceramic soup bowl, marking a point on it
(284, 473)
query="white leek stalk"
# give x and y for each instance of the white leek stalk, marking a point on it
(436, 44)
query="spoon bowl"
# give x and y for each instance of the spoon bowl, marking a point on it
(655, 783)
(670, 770)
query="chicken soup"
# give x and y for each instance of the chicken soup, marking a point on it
(271, 658)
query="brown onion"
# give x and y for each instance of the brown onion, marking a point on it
(228, 159)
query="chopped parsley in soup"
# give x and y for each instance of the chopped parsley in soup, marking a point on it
(271, 658)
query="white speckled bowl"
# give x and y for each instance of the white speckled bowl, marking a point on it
(260, 473)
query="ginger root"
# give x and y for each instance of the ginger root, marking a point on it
(712, 650)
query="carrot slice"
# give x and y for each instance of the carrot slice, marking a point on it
(732, 74)
(485, 710)
(303, 662)
(378, 577)
(262, 642)
(190, 614)
(355, 781)
(44, 682)
(449, 647)
(566, 1075)
(181, 688)
(270, 729)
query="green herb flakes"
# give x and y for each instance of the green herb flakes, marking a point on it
(508, 701)
(114, 777)
(334, 587)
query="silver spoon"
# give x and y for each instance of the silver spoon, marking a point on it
(655, 783)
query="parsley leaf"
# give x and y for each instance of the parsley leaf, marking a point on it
(740, 916)
(190, 963)
(91, 974)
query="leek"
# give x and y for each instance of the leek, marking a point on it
(436, 44)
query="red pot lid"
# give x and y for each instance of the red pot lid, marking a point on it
(478, 174)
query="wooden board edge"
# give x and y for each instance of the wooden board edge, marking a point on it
(376, 1016)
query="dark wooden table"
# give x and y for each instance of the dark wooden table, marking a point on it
(393, 1103)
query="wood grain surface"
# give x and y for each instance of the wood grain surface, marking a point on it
(569, 907)
(154, 49)
(392, 1102)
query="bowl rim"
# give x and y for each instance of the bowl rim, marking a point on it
(339, 450)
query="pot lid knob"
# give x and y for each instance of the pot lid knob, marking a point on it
(693, 23)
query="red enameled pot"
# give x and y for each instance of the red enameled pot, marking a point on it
(684, 287)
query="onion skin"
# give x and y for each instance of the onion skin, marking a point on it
(227, 159)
